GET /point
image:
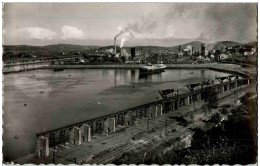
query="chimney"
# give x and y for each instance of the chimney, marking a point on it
(115, 45)
(132, 52)
(202, 50)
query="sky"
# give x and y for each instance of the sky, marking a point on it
(99, 23)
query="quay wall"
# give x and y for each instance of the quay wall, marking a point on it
(75, 133)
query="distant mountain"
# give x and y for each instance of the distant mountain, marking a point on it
(159, 44)
(21, 48)
(56, 47)
(68, 47)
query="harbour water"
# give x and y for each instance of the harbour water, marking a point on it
(40, 100)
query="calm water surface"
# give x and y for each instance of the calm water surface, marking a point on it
(55, 99)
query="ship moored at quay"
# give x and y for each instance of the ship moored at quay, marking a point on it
(152, 68)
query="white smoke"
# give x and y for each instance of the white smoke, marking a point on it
(126, 37)
(189, 47)
(128, 33)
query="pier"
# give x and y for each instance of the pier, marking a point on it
(83, 131)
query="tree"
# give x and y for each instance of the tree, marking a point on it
(211, 97)
(216, 118)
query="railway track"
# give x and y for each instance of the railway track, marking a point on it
(115, 154)
(111, 156)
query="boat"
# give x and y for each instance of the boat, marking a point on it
(151, 69)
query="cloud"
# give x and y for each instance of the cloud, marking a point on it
(36, 33)
(70, 32)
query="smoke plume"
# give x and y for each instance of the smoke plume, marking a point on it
(130, 31)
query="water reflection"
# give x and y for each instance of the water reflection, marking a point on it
(150, 77)
(132, 75)
(202, 73)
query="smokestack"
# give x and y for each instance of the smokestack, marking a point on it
(132, 52)
(202, 50)
(115, 45)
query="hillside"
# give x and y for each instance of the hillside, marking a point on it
(221, 45)
(195, 44)
(215, 46)
(56, 47)
(21, 48)
(254, 43)
(69, 47)
(229, 43)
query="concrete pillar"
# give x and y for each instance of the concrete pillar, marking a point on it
(223, 89)
(173, 104)
(129, 119)
(161, 111)
(176, 104)
(156, 111)
(248, 81)
(180, 105)
(149, 112)
(198, 97)
(112, 125)
(188, 100)
(185, 101)
(86, 132)
(77, 136)
(71, 136)
(42, 149)
(236, 84)
(152, 110)
(106, 125)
